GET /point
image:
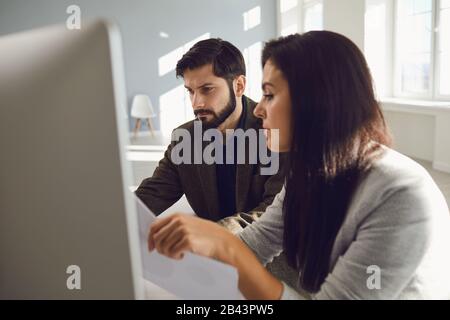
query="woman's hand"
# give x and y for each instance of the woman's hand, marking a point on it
(178, 233)
(174, 235)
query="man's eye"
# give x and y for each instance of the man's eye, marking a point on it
(207, 89)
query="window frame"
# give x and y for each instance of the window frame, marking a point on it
(433, 92)
(437, 94)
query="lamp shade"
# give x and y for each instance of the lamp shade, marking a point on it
(142, 107)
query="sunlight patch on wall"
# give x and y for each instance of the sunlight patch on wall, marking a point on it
(168, 62)
(252, 57)
(286, 5)
(252, 18)
(175, 109)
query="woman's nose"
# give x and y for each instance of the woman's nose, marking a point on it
(259, 111)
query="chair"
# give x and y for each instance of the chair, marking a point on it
(142, 108)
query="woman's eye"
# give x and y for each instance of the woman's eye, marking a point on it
(268, 97)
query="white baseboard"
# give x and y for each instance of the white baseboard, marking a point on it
(441, 166)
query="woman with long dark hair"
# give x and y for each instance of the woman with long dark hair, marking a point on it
(355, 218)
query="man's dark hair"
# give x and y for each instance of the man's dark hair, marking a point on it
(227, 61)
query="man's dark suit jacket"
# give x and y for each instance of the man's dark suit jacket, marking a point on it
(254, 192)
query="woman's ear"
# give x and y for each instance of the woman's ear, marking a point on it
(239, 86)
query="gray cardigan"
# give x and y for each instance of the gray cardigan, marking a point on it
(397, 227)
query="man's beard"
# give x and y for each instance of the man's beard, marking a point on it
(220, 117)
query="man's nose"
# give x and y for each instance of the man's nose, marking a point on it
(197, 101)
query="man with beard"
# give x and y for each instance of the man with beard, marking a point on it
(232, 194)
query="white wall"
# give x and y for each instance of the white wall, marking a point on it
(421, 129)
(412, 133)
(342, 16)
(379, 43)
(155, 35)
(345, 17)
(289, 16)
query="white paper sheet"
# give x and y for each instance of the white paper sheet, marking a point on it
(193, 277)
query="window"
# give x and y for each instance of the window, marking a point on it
(312, 15)
(444, 49)
(414, 35)
(422, 36)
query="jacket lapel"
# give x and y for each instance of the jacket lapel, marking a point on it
(208, 180)
(244, 172)
(243, 179)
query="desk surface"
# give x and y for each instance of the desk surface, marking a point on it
(153, 292)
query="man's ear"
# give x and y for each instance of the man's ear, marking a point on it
(239, 86)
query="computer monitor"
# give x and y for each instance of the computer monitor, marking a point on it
(68, 226)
